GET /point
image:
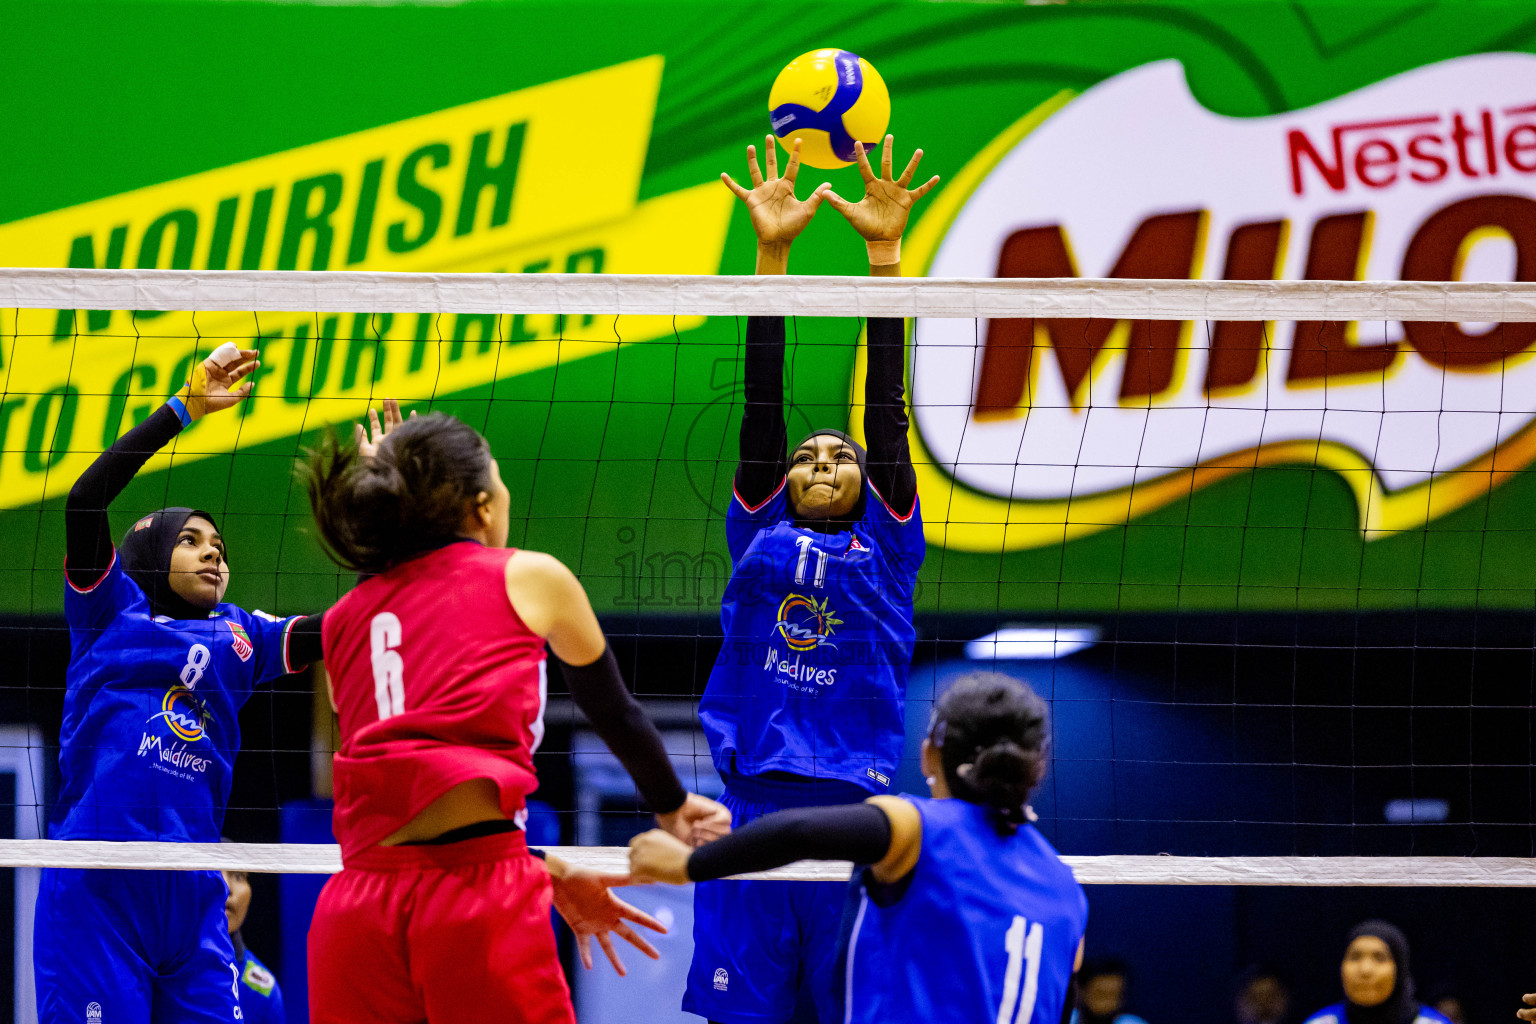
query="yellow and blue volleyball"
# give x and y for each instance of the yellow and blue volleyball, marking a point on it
(827, 99)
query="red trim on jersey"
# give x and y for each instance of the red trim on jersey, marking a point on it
(104, 574)
(288, 668)
(754, 508)
(894, 514)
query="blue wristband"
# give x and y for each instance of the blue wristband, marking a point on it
(180, 408)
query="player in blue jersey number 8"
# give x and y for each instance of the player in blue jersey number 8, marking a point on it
(804, 705)
(159, 669)
(962, 911)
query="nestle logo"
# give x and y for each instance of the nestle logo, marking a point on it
(1424, 148)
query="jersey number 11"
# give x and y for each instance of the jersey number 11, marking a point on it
(1023, 943)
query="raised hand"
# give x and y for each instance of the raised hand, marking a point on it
(881, 216)
(215, 382)
(1528, 1000)
(700, 820)
(777, 216)
(586, 901)
(368, 439)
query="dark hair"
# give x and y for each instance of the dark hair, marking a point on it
(991, 732)
(1103, 967)
(409, 498)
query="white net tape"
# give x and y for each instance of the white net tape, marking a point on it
(297, 858)
(721, 295)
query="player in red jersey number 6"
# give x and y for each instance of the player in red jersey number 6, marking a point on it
(438, 672)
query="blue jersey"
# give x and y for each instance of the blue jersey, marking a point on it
(1335, 1015)
(261, 998)
(151, 712)
(986, 928)
(812, 676)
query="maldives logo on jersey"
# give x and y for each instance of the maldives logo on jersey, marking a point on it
(241, 641)
(806, 624)
(183, 714)
(1426, 176)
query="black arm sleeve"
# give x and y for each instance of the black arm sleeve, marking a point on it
(857, 832)
(885, 415)
(304, 641)
(764, 447)
(619, 721)
(87, 530)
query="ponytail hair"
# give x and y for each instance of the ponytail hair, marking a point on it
(991, 731)
(409, 498)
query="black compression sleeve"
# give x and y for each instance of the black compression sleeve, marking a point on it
(885, 415)
(87, 530)
(764, 446)
(857, 832)
(304, 641)
(619, 721)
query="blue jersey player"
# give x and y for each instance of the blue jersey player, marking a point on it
(261, 997)
(804, 706)
(159, 669)
(960, 911)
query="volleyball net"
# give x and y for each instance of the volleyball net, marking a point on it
(1264, 546)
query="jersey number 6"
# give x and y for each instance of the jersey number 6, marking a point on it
(1023, 948)
(388, 667)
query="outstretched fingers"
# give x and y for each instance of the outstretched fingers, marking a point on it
(865, 171)
(906, 175)
(730, 183)
(924, 188)
(771, 157)
(793, 167)
(630, 936)
(839, 204)
(752, 168)
(885, 157)
(613, 954)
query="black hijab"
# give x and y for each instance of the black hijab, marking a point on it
(1400, 1007)
(146, 554)
(857, 512)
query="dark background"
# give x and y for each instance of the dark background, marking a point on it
(1193, 735)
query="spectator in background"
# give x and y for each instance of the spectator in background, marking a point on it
(261, 1000)
(1101, 990)
(1378, 988)
(1262, 998)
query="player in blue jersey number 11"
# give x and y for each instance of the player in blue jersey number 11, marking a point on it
(961, 911)
(804, 705)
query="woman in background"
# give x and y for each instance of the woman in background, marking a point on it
(1378, 988)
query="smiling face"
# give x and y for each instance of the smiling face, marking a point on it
(199, 574)
(1369, 972)
(824, 478)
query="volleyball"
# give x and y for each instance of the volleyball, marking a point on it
(828, 99)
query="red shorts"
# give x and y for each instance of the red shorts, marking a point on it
(437, 933)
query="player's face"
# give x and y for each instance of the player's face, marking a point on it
(1369, 971)
(1104, 994)
(239, 900)
(824, 478)
(199, 574)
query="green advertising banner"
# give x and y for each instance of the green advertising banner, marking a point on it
(1066, 467)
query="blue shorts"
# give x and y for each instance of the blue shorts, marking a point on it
(760, 946)
(128, 947)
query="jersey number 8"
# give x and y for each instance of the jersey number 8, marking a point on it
(388, 666)
(1024, 947)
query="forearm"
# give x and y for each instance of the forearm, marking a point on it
(619, 721)
(763, 440)
(87, 529)
(885, 414)
(860, 833)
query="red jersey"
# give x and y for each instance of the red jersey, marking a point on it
(437, 681)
